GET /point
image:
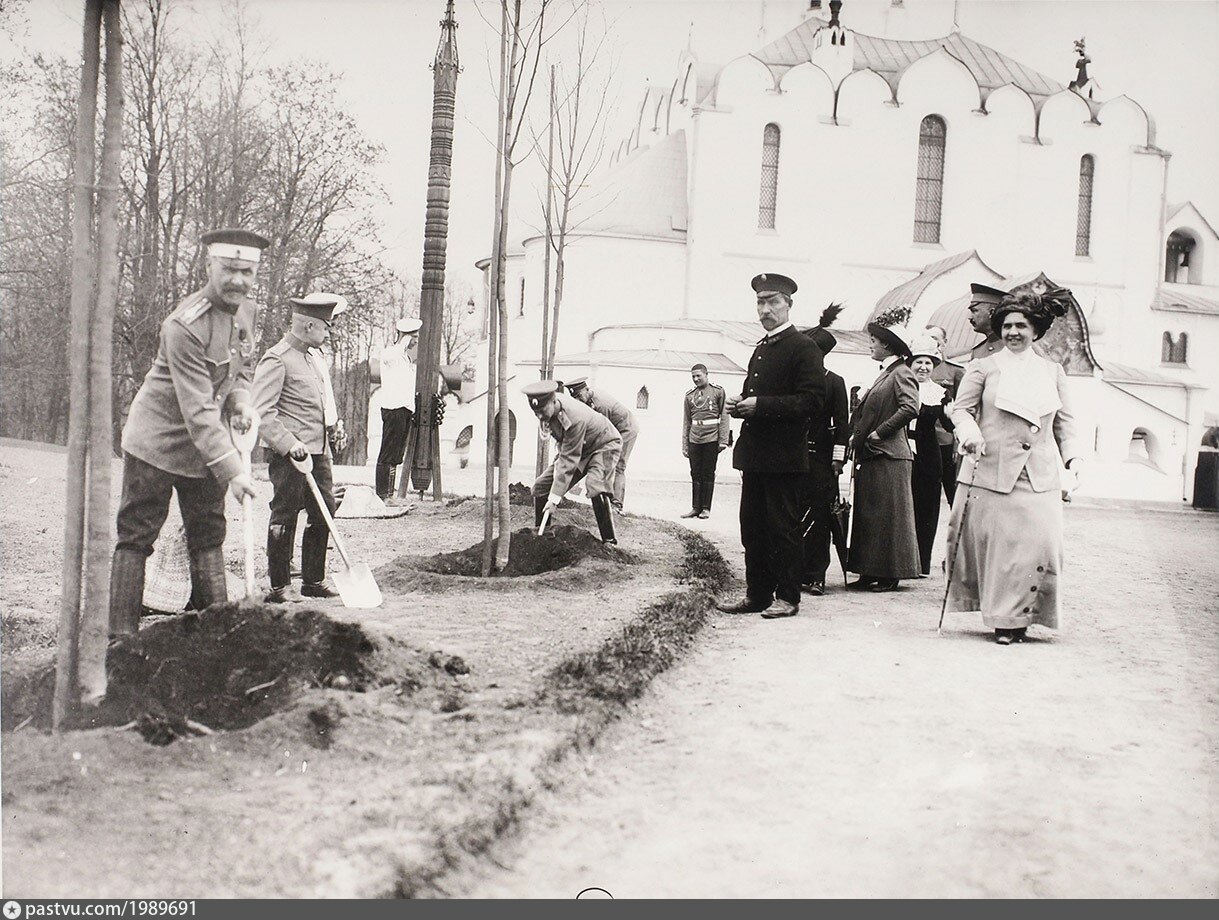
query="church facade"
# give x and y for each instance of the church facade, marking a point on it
(877, 171)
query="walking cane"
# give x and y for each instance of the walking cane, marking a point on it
(952, 561)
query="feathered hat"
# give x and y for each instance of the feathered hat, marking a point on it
(1040, 307)
(891, 327)
(820, 333)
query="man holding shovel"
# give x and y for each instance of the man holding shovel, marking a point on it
(289, 394)
(177, 433)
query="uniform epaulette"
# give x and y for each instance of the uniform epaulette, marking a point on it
(691, 390)
(716, 385)
(279, 348)
(193, 307)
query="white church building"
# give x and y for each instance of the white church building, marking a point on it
(880, 170)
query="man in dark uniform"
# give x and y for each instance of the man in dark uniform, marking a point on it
(784, 386)
(622, 418)
(177, 433)
(982, 302)
(588, 447)
(948, 375)
(828, 433)
(289, 392)
(704, 433)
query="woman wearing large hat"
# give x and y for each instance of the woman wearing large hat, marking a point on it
(1014, 422)
(884, 548)
(928, 468)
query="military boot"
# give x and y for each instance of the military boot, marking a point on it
(708, 491)
(208, 584)
(314, 544)
(126, 591)
(696, 500)
(280, 541)
(605, 518)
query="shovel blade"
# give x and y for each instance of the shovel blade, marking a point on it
(357, 587)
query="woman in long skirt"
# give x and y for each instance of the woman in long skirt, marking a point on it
(884, 548)
(927, 475)
(1014, 422)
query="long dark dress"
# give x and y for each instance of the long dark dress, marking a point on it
(926, 478)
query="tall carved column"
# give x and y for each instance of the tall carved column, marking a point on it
(425, 460)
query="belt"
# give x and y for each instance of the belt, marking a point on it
(706, 421)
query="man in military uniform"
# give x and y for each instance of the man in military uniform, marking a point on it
(588, 448)
(982, 302)
(704, 433)
(622, 418)
(397, 401)
(948, 375)
(784, 386)
(289, 392)
(828, 433)
(177, 433)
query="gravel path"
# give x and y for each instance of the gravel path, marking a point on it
(850, 751)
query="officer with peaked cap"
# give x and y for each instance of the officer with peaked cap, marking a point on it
(588, 448)
(982, 302)
(784, 386)
(397, 401)
(177, 433)
(289, 392)
(622, 418)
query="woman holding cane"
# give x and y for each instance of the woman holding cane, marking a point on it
(1015, 425)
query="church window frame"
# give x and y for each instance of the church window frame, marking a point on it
(929, 179)
(1182, 258)
(1083, 216)
(642, 398)
(1174, 350)
(768, 192)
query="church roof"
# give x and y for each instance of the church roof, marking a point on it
(1175, 209)
(910, 291)
(850, 341)
(1175, 301)
(643, 195)
(1123, 373)
(890, 58)
(650, 357)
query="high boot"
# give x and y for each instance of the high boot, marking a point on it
(314, 544)
(539, 508)
(280, 541)
(391, 480)
(708, 492)
(208, 584)
(383, 485)
(605, 517)
(126, 591)
(696, 499)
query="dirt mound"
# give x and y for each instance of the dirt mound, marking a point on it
(558, 548)
(521, 494)
(225, 668)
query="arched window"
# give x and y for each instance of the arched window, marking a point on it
(1174, 351)
(1182, 262)
(1083, 217)
(769, 196)
(641, 398)
(1145, 449)
(929, 187)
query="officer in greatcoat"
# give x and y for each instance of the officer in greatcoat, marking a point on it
(588, 447)
(177, 433)
(784, 387)
(290, 390)
(623, 420)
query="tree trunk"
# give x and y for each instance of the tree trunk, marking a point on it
(543, 452)
(503, 545)
(95, 619)
(65, 702)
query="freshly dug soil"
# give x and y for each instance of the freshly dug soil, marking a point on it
(560, 547)
(225, 668)
(521, 494)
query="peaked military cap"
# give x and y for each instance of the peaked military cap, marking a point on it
(233, 243)
(317, 305)
(409, 324)
(580, 383)
(987, 294)
(769, 283)
(541, 392)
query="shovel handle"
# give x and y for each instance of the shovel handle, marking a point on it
(306, 467)
(545, 521)
(244, 441)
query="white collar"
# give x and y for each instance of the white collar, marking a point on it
(779, 329)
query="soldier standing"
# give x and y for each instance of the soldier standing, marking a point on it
(623, 420)
(588, 447)
(704, 433)
(289, 392)
(397, 401)
(982, 302)
(177, 433)
(785, 385)
(828, 433)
